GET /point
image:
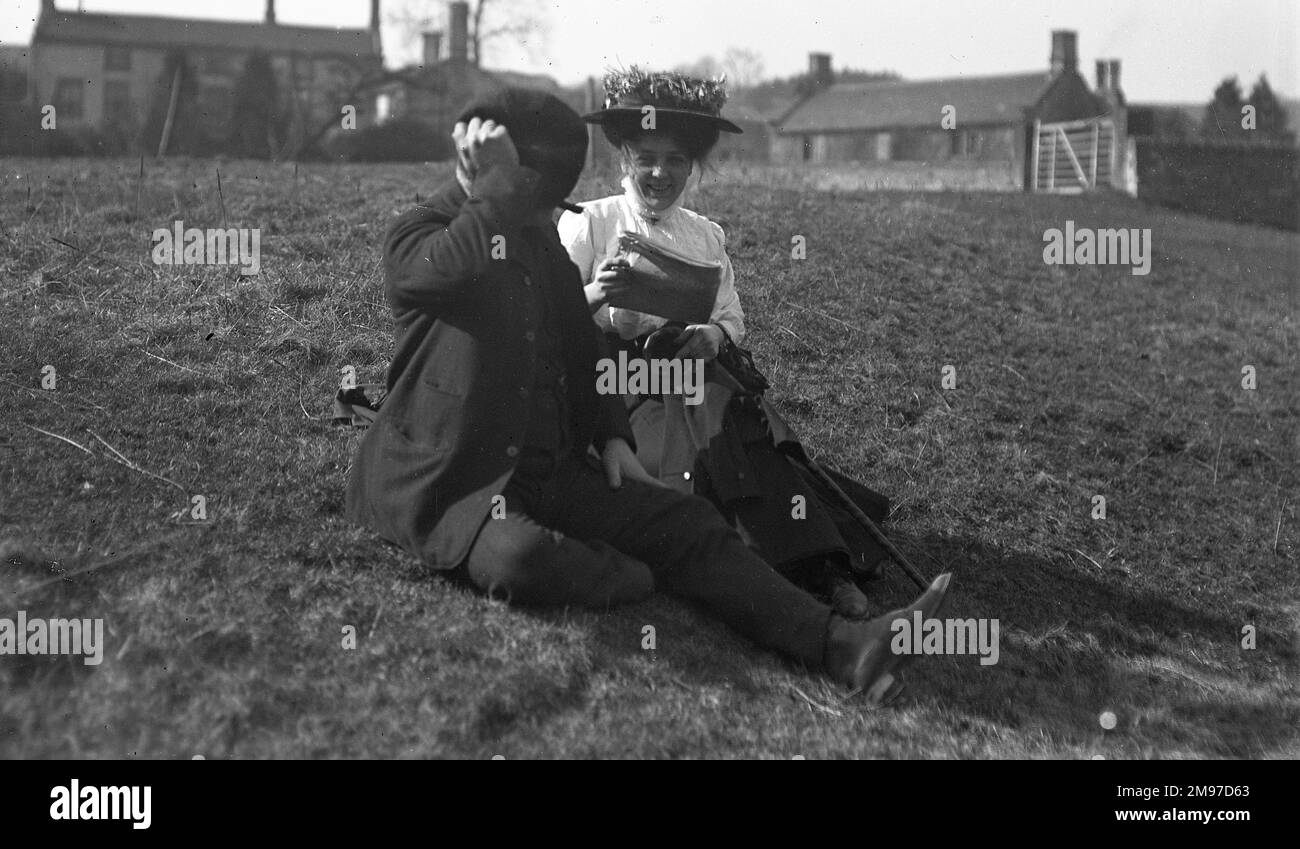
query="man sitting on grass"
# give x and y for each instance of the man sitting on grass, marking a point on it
(479, 462)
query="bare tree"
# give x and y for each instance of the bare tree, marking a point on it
(744, 67)
(366, 83)
(705, 66)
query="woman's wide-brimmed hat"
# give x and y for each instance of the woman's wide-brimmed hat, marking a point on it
(673, 95)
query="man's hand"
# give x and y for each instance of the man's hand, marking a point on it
(700, 341)
(481, 145)
(620, 463)
(613, 278)
(465, 170)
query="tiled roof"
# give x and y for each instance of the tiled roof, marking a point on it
(151, 31)
(450, 77)
(882, 105)
(743, 114)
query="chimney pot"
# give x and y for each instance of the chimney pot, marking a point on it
(270, 11)
(819, 69)
(374, 15)
(1103, 75)
(1114, 82)
(432, 48)
(1065, 51)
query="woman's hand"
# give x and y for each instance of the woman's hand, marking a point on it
(613, 278)
(620, 463)
(700, 341)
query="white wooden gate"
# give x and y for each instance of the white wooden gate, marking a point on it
(1073, 156)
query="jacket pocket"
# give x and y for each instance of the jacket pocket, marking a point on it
(449, 367)
(444, 384)
(433, 418)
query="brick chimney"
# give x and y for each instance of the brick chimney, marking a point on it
(47, 8)
(374, 15)
(1108, 81)
(1114, 81)
(819, 70)
(458, 39)
(270, 11)
(1065, 51)
(432, 48)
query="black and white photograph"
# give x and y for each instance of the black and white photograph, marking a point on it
(471, 380)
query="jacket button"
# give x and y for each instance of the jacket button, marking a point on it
(530, 336)
(528, 281)
(512, 451)
(523, 392)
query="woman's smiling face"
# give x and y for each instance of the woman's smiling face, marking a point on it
(660, 165)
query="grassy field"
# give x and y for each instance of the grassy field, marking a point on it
(224, 636)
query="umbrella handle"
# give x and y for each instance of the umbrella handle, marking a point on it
(865, 520)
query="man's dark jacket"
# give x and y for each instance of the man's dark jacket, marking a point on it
(451, 427)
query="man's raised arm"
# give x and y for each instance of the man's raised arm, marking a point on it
(430, 255)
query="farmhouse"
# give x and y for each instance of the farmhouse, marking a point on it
(103, 70)
(436, 89)
(1043, 130)
(15, 66)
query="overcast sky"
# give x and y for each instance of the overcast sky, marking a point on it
(1171, 50)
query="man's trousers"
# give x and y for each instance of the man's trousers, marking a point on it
(567, 538)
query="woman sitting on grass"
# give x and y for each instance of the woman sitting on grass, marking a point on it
(665, 125)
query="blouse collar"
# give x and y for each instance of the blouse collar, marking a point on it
(632, 192)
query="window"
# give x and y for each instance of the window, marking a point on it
(69, 92)
(117, 58)
(303, 72)
(218, 103)
(220, 64)
(13, 85)
(117, 100)
(884, 147)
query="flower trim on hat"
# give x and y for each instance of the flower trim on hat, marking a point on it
(666, 89)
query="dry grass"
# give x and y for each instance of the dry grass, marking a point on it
(224, 637)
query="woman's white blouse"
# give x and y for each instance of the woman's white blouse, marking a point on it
(593, 236)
